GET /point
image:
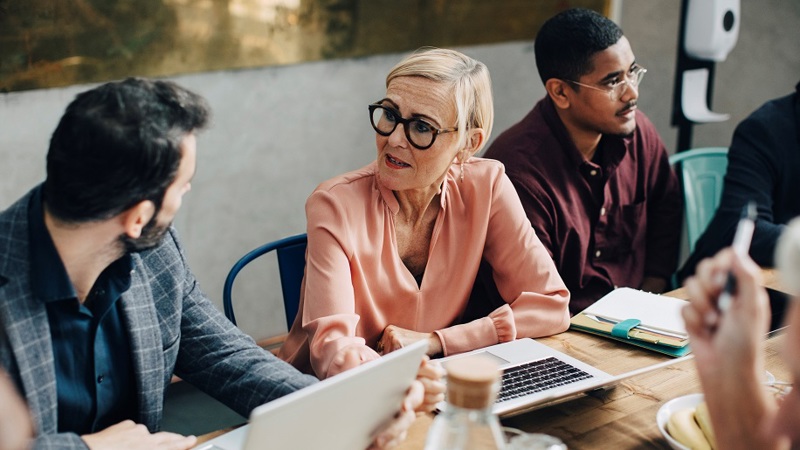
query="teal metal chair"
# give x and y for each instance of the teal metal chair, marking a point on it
(291, 253)
(702, 171)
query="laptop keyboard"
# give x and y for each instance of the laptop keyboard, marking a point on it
(537, 376)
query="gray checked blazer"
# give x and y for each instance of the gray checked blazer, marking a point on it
(172, 325)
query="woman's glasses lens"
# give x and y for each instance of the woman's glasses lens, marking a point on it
(384, 120)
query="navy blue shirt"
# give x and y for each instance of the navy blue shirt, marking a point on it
(94, 373)
(763, 166)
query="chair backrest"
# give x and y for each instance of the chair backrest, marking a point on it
(291, 253)
(702, 171)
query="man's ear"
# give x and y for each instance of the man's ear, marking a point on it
(558, 92)
(136, 217)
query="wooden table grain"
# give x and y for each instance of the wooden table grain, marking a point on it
(623, 417)
(620, 418)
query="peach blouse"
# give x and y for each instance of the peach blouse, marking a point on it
(356, 284)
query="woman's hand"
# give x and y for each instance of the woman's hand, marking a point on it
(430, 375)
(396, 430)
(394, 338)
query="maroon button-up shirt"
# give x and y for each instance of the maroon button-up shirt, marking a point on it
(608, 222)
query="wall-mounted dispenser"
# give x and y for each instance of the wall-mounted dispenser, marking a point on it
(712, 28)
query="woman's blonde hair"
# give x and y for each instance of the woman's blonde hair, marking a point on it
(787, 257)
(467, 78)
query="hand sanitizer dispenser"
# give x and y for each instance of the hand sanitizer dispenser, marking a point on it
(711, 31)
(712, 28)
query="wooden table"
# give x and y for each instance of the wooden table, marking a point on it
(620, 418)
(623, 417)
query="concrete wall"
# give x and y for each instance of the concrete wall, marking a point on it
(764, 64)
(279, 131)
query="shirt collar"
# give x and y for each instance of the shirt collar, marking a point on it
(614, 147)
(49, 279)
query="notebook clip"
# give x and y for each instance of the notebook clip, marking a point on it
(623, 329)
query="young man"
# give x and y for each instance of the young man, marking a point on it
(98, 307)
(763, 166)
(590, 169)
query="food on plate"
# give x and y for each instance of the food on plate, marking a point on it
(683, 427)
(704, 420)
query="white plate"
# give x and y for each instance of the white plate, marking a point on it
(686, 401)
(666, 410)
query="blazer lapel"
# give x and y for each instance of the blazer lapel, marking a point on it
(146, 348)
(24, 320)
(28, 333)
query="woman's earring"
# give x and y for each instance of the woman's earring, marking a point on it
(464, 157)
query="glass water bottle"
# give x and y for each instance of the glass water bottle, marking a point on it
(467, 423)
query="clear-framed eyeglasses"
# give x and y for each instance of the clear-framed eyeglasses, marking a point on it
(617, 87)
(419, 133)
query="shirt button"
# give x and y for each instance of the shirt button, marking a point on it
(593, 172)
(603, 211)
(100, 378)
(598, 253)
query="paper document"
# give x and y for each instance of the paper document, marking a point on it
(654, 311)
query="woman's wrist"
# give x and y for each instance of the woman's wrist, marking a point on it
(435, 347)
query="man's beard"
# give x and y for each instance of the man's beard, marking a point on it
(152, 233)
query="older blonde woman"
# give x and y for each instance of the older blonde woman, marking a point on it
(394, 247)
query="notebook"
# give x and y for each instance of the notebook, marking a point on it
(639, 318)
(342, 412)
(535, 375)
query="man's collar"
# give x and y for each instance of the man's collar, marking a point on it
(49, 279)
(614, 146)
(561, 133)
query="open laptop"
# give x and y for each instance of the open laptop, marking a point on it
(342, 412)
(535, 375)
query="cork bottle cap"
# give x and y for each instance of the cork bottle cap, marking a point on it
(472, 382)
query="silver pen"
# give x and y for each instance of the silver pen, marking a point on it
(741, 245)
(639, 327)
